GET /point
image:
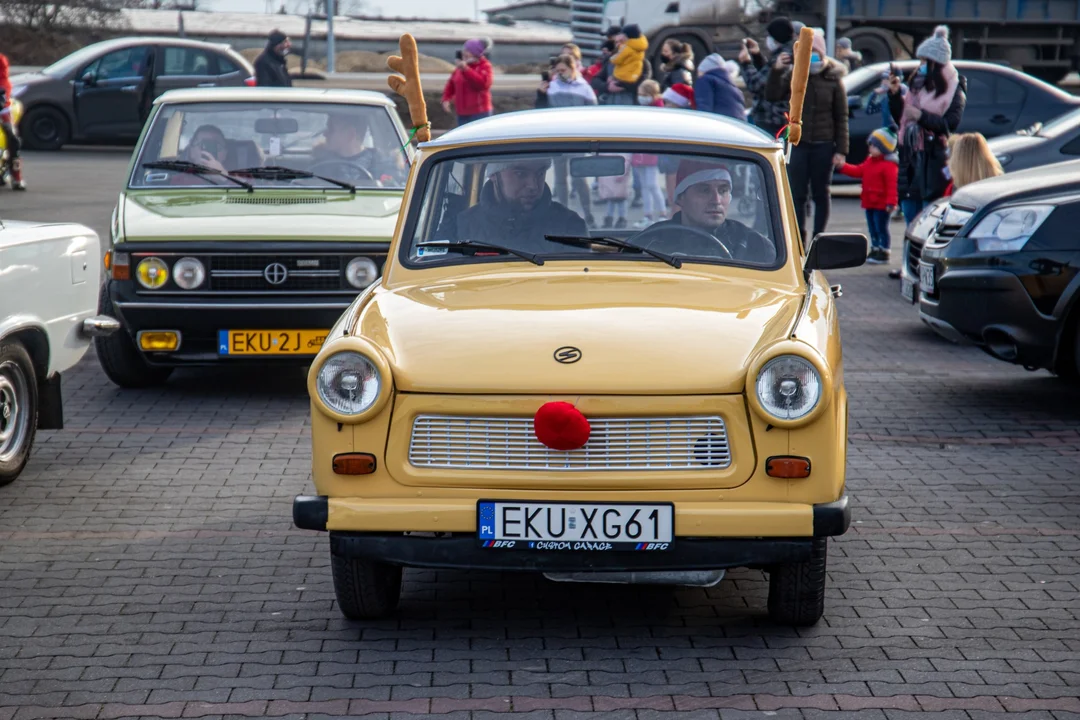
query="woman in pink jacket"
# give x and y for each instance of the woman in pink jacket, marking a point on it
(469, 87)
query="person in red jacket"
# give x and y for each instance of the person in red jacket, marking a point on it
(879, 197)
(469, 87)
(8, 127)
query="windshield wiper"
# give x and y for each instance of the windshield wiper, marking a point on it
(279, 172)
(473, 245)
(196, 169)
(582, 241)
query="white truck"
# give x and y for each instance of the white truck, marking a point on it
(50, 275)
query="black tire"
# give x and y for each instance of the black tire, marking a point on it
(120, 359)
(45, 128)
(874, 47)
(365, 589)
(18, 409)
(797, 590)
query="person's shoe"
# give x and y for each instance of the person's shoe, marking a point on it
(636, 202)
(620, 223)
(16, 175)
(885, 254)
(607, 221)
(895, 273)
(874, 258)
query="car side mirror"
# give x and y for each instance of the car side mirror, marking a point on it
(89, 79)
(837, 250)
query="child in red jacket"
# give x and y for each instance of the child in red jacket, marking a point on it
(878, 172)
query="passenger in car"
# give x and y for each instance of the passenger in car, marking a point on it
(703, 193)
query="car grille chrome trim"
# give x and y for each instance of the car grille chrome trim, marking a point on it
(244, 200)
(952, 223)
(509, 443)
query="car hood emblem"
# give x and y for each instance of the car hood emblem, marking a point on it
(567, 355)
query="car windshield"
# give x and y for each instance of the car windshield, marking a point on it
(74, 61)
(1060, 125)
(539, 205)
(283, 144)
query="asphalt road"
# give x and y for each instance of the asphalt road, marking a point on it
(148, 567)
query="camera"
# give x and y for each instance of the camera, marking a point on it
(211, 146)
(457, 55)
(545, 76)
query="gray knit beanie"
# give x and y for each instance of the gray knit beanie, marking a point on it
(936, 47)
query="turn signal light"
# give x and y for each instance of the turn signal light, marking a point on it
(354, 464)
(787, 467)
(120, 264)
(159, 341)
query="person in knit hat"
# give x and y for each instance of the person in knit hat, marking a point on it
(679, 96)
(469, 86)
(927, 115)
(851, 58)
(715, 91)
(878, 173)
(755, 69)
(703, 190)
(270, 68)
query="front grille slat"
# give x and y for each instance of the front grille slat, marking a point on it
(237, 273)
(675, 443)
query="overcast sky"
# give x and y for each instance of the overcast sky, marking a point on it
(402, 8)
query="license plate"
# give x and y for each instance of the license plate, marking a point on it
(575, 526)
(907, 289)
(926, 278)
(270, 342)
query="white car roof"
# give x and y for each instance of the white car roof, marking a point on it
(274, 95)
(609, 123)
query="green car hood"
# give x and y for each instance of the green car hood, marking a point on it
(261, 215)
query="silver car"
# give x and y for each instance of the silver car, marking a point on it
(1042, 144)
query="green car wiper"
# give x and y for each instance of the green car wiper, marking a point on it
(279, 172)
(582, 241)
(196, 169)
(474, 246)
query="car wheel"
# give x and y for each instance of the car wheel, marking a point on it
(120, 359)
(873, 44)
(44, 128)
(18, 410)
(365, 589)
(797, 590)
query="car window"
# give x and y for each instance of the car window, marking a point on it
(186, 61)
(980, 90)
(556, 204)
(125, 63)
(357, 144)
(1010, 92)
(226, 66)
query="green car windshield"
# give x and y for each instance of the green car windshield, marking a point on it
(273, 145)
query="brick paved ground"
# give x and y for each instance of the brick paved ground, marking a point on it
(148, 567)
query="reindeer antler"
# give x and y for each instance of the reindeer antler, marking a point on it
(800, 76)
(408, 65)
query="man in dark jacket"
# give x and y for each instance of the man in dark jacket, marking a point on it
(270, 69)
(516, 210)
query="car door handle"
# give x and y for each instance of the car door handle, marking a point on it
(1000, 119)
(209, 84)
(130, 88)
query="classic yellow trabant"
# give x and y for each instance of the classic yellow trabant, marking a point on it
(652, 402)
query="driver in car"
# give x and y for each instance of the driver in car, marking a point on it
(207, 147)
(516, 208)
(703, 193)
(343, 148)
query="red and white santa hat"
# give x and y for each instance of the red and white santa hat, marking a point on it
(680, 95)
(692, 172)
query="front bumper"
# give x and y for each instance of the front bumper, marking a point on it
(701, 542)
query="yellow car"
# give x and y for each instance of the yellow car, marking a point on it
(654, 401)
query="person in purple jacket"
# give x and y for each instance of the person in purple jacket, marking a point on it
(715, 90)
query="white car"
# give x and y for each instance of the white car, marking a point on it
(50, 276)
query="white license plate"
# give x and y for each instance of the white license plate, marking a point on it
(574, 526)
(926, 278)
(907, 289)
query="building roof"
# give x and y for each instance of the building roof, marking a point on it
(527, 4)
(609, 123)
(275, 95)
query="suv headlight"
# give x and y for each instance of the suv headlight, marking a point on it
(1009, 229)
(189, 273)
(788, 387)
(152, 273)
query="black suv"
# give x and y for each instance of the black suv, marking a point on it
(1002, 269)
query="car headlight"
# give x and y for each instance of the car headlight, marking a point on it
(1009, 229)
(361, 272)
(788, 387)
(152, 273)
(348, 383)
(189, 273)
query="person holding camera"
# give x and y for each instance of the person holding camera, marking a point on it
(756, 69)
(469, 86)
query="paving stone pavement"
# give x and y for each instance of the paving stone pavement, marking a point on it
(148, 569)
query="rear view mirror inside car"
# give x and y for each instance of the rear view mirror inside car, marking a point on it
(595, 166)
(276, 126)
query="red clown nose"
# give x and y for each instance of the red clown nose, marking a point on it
(561, 426)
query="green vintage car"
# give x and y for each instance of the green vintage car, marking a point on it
(250, 220)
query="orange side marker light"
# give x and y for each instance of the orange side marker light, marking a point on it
(787, 467)
(354, 464)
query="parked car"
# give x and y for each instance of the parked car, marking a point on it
(1002, 270)
(49, 279)
(1057, 140)
(1000, 100)
(104, 91)
(523, 393)
(250, 221)
(916, 235)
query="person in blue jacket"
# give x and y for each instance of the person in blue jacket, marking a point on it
(715, 90)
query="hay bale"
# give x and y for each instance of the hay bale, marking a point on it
(366, 61)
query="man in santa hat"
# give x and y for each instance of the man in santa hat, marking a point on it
(679, 96)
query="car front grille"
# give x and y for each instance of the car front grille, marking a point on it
(276, 272)
(627, 444)
(954, 221)
(914, 252)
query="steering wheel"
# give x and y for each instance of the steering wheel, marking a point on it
(700, 243)
(344, 170)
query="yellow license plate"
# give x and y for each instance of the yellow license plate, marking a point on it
(270, 342)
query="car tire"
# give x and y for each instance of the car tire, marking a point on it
(797, 590)
(18, 409)
(365, 589)
(120, 359)
(44, 128)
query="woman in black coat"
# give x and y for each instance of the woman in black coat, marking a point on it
(678, 64)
